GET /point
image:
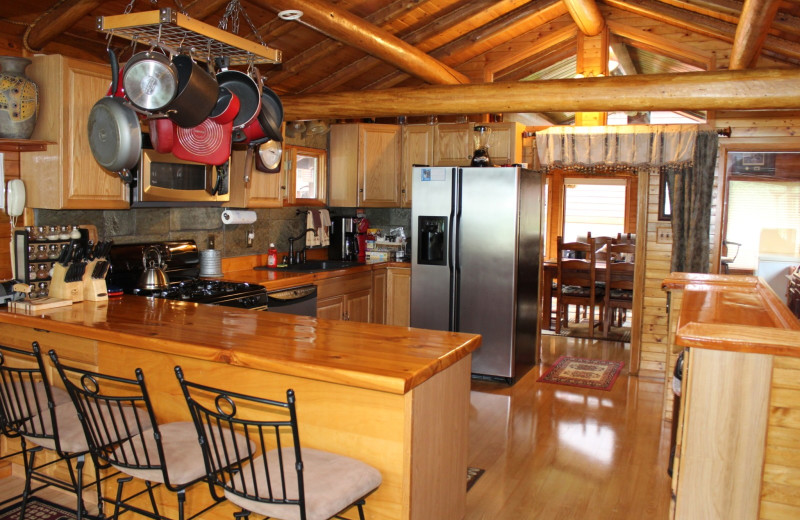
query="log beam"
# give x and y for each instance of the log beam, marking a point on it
(55, 22)
(751, 32)
(344, 26)
(716, 90)
(587, 16)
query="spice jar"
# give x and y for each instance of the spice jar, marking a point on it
(31, 271)
(41, 252)
(42, 271)
(52, 233)
(53, 251)
(43, 289)
(39, 233)
(33, 293)
(63, 234)
(31, 252)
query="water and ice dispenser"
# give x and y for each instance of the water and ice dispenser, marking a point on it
(432, 240)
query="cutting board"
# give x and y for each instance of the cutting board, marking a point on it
(38, 304)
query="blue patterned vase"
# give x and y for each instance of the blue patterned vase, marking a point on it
(19, 99)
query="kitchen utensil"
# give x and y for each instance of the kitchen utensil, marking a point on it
(196, 95)
(245, 88)
(153, 277)
(162, 134)
(115, 137)
(150, 80)
(227, 106)
(207, 143)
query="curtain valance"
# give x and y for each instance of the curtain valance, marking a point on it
(620, 147)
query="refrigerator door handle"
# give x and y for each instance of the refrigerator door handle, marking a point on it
(455, 264)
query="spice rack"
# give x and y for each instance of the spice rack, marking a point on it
(22, 259)
(174, 30)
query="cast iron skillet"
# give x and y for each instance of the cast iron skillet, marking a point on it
(115, 137)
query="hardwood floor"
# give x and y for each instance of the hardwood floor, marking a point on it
(560, 452)
(557, 452)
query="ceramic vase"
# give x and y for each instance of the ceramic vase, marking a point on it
(19, 99)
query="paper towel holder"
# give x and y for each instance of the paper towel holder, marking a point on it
(233, 216)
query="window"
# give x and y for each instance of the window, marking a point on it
(593, 205)
(305, 169)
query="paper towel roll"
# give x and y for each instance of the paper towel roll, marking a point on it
(238, 216)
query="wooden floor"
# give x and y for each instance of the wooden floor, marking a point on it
(556, 452)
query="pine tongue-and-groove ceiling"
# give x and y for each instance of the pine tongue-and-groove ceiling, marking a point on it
(353, 45)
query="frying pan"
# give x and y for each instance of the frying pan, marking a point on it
(115, 137)
(266, 124)
(248, 92)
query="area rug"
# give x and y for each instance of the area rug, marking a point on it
(37, 509)
(473, 474)
(585, 373)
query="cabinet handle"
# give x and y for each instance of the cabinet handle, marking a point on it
(361, 190)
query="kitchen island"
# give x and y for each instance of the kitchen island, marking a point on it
(395, 397)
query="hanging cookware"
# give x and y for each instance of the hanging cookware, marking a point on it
(153, 277)
(161, 134)
(271, 114)
(246, 89)
(196, 95)
(227, 107)
(115, 136)
(150, 80)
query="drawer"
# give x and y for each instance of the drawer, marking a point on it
(344, 284)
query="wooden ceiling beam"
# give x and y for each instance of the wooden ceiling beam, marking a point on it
(355, 31)
(716, 90)
(626, 65)
(586, 15)
(202, 9)
(751, 32)
(57, 21)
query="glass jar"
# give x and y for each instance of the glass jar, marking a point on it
(42, 271)
(31, 271)
(63, 234)
(31, 252)
(33, 293)
(41, 252)
(52, 233)
(39, 233)
(75, 233)
(43, 289)
(53, 251)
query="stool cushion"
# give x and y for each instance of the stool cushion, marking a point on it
(182, 453)
(332, 482)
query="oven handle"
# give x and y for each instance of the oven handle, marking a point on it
(260, 308)
(292, 296)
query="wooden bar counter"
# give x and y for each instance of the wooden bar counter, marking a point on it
(738, 443)
(395, 397)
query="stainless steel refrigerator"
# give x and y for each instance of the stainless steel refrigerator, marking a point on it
(475, 264)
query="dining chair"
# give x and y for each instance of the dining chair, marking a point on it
(43, 418)
(279, 479)
(134, 443)
(619, 278)
(576, 281)
(626, 238)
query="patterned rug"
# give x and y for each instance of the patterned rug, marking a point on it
(37, 509)
(585, 373)
(473, 474)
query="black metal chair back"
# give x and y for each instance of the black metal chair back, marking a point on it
(240, 470)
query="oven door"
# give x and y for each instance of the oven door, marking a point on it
(163, 178)
(301, 300)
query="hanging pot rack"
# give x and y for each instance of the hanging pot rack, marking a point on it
(174, 30)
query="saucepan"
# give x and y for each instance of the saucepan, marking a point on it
(196, 95)
(115, 137)
(150, 80)
(245, 88)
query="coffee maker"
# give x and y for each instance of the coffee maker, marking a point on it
(344, 239)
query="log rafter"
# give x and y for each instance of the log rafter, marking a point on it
(586, 15)
(54, 23)
(716, 90)
(757, 16)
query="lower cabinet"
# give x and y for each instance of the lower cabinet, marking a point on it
(346, 297)
(379, 295)
(398, 296)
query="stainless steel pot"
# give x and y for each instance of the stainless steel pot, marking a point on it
(153, 278)
(150, 80)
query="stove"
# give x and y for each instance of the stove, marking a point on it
(182, 260)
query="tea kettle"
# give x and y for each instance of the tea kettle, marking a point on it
(153, 277)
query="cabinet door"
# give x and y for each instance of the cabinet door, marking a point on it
(505, 143)
(331, 308)
(379, 165)
(452, 145)
(66, 175)
(306, 175)
(343, 186)
(358, 305)
(251, 188)
(417, 149)
(379, 295)
(398, 297)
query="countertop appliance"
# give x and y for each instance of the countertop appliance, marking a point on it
(182, 261)
(475, 267)
(344, 239)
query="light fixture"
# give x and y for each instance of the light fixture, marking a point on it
(290, 14)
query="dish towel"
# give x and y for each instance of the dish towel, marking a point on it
(324, 232)
(311, 238)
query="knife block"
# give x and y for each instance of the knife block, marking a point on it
(59, 288)
(94, 289)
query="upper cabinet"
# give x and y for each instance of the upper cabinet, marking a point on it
(251, 188)
(306, 175)
(65, 175)
(455, 144)
(417, 149)
(365, 165)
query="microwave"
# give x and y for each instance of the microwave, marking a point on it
(164, 180)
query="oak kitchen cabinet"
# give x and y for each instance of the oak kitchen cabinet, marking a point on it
(364, 165)
(391, 296)
(65, 175)
(347, 297)
(379, 302)
(250, 188)
(454, 143)
(417, 149)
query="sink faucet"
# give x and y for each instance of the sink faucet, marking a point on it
(298, 237)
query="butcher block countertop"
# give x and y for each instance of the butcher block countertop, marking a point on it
(734, 313)
(379, 357)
